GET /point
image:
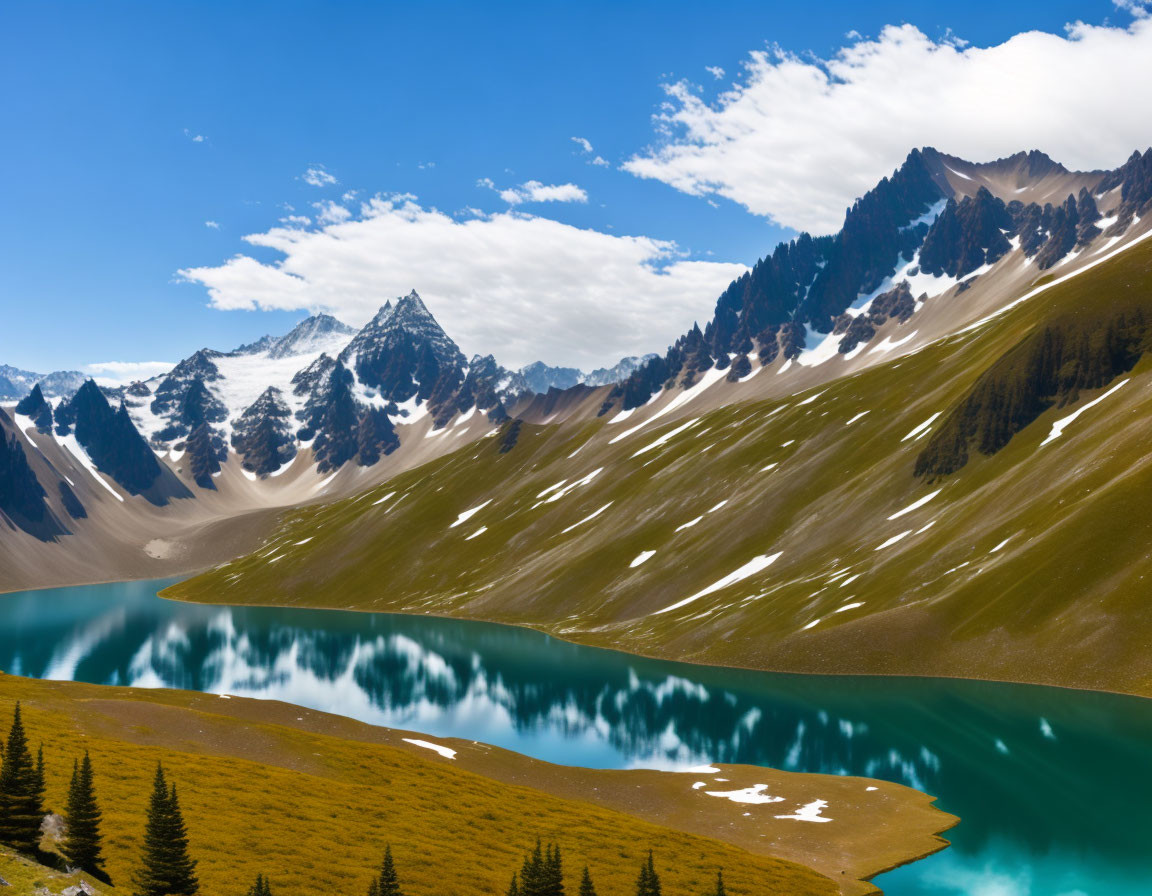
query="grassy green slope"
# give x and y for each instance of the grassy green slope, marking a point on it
(1061, 602)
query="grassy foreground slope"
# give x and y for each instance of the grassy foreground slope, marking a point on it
(311, 799)
(786, 534)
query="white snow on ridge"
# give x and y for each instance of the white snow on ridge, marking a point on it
(753, 566)
(73, 447)
(859, 416)
(888, 343)
(1059, 426)
(709, 378)
(915, 505)
(468, 514)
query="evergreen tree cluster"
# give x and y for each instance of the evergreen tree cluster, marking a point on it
(1050, 366)
(21, 791)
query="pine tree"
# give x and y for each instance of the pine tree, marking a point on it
(648, 883)
(38, 784)
(532, 874)
(553, 872)
(262, 887)
(514, 887)
(387, 884)
(586, 888)
(719, 884)
(21, 788)
(167, 870)
(82, 816)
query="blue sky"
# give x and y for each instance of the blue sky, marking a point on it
(108, 190)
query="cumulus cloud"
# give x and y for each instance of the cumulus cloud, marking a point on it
(194, 137)
(518, 286)
(715, 71)
(212, 225)
(535, 191)
(798, 138)
(318, 176)
(120, 373)
(329, 212)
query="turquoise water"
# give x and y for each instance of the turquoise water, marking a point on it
(1054, 787)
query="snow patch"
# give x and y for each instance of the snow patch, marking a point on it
(642, 557)
(922, 429)
(809, 812)
(753, 566)
(915, 505)
(1059, 426)
(446, 752)
(468, 514)
(754, 794)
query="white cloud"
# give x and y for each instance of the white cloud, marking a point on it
(534, 191)
(715, 71)
(799, 138)
(1136, 8)
(214, 225)
(329, 212)
(195, 138)
(120, 373)
(518, 286)
(318, 176)
(586, 149)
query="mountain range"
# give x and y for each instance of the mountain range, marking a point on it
(858, 463)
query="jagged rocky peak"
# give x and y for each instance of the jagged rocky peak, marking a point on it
(403, 351)
(264, 435)
(540, 377)
(15, 383)
(318, 333)
(22, 498)
(110, 438)
(34, 405)
(967, 235)
(622, 369)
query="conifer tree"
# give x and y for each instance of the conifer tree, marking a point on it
(553, 872)
(167, 870)
(586, 888)
(38, 785)
(514, 887)
(719, 891)
(82, 816)
(648, 883)
(21, 802)
(387, 884)
(532, 874)
(261, 888)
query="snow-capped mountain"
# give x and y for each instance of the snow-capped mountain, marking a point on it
(932, 228)
(16, 383)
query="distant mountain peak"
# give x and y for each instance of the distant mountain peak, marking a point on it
(320, 332)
